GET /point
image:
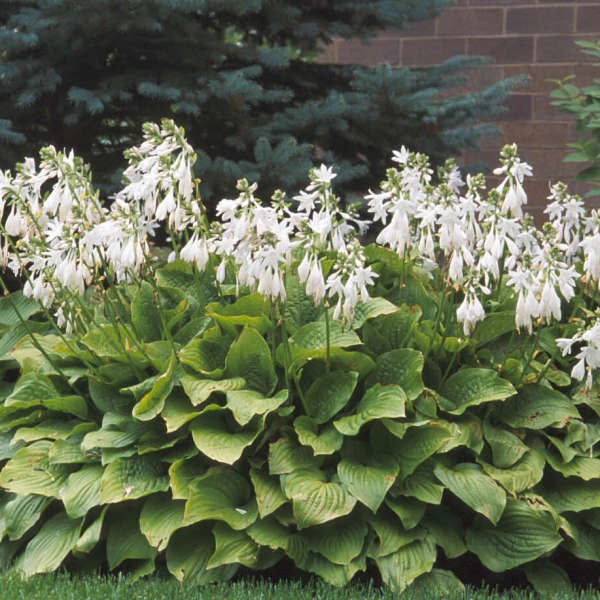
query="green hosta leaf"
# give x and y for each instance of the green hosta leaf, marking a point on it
(21, 513)
(188, 554)
(423, 486)
(248, 310)
(391, 332)
(207, 355)
(160, 517)
(46, 551)
(547, 578)
(374, 307)
(408, 510)
(8, 450)
(17, 306)
(523, 475)
(474, 488)
(224, 495)
(215, 437)
(333, 574)
(494, 326)
(471, 387)
(329, 394)
(586, 544)
(400, 569)
(522, 535)
(315, 500)
(339, 541)
(581, 466)
(91, 536)
(573, 495)
(108, 398)
(182, 472)
(178, 411)
(447, 530)
(30, 472)
(105, 342)
(198, 288)
(232, 546)
(199, 390)
(506, 447)
(267, 489)
(269, 532)
(390, 534)
(418, 444)
(286, 456)
(313, 336)
(144, 313)
(402, 367)
(154, 401)
(125, 541)
(538, 407)
(343, 360)
(250, 357)
(111, 438)
(129, 478)
(81, 491)
(437, 584)
(370, 479)
(246, 404)
(299, 308)
(379, 401)
(52, 429)
(326, 442)
(74, 405)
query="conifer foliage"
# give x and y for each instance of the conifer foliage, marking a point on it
(239, 75)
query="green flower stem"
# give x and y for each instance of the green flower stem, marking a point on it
(328, 335)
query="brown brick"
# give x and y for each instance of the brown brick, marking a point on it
(544, 111)
(548, 163)
(327, 54)
(520, 108)
(588, 19)
(503, 50)
(494, 2)
(547, 19)
(537, 134)
(431, 51)
(466, 21)
(418, 29)
(539, 74)
(562, 48)
(581, 188)
(358, 53)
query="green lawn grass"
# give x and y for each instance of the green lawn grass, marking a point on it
(94, 587)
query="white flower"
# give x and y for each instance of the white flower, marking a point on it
(401, 156)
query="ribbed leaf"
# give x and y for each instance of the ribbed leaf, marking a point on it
(402, 367)
(81, 491)
(267, 489)
(378, 402)
(124, 540)
(537, 407)
(223, 495)
(269, 532)
(408, 510)
(129, 478)
(178, 411)
(400, 569)
(522, 535)
(160, 517)
(46, 551)
(181, 474)
(329, 394)
(446, 529)
(391, 332)
(248, 310)
(218, 439)
(206, 355)
(316, 501)
(188, 554)
(573, 495)
(374, 307)
(422, 485)
(547, 578)
(91, 536)
(144, 314)
(250, 357)
(199, 390)
(21, 513)
(333, 574)
(154, 401)
(339, 541)
(390, 534)
(286, 456)
(471, 387)
(232, 546)
(437, 584)
(583, 467)
(328, 441)
(246, 404)
(523, 475)
(506, 447)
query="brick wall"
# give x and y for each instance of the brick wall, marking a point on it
(535, 37)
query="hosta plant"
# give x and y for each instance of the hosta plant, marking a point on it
(273, 388)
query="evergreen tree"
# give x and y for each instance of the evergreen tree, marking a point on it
(239, 75)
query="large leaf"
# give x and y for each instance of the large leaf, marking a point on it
(328, 441)
(379, 401)
(286, 456)
(217, 438)
(267, 490)
(250, 357)
(160, 517)
(474, 488)
(181, 474)
(422, 485)
(522, 535)
(145, 314)
(400, 569)
(206, 355)
(547, 578)
(124, 540)
(368, 480)
(224, 495)
(21, 513)
(81, 492)
(16, 307)
(91, 536)
(232, 546)
(391, 535)
(523, 475)
(178, 411)
(506, 447)
(391, 332)
(315, 500)
(339, 541)
(374, 307)
(154, 401)
(198, 288)
(248, 310)
(581, 466)
(199, 389)
(329, 394)
(538, 407)
(246, 404)
(573, 495)
(188, 554)
(130, 478)
(446, 529)
(46, 551)
(408, 510)
(402, 367)
(471, 387)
